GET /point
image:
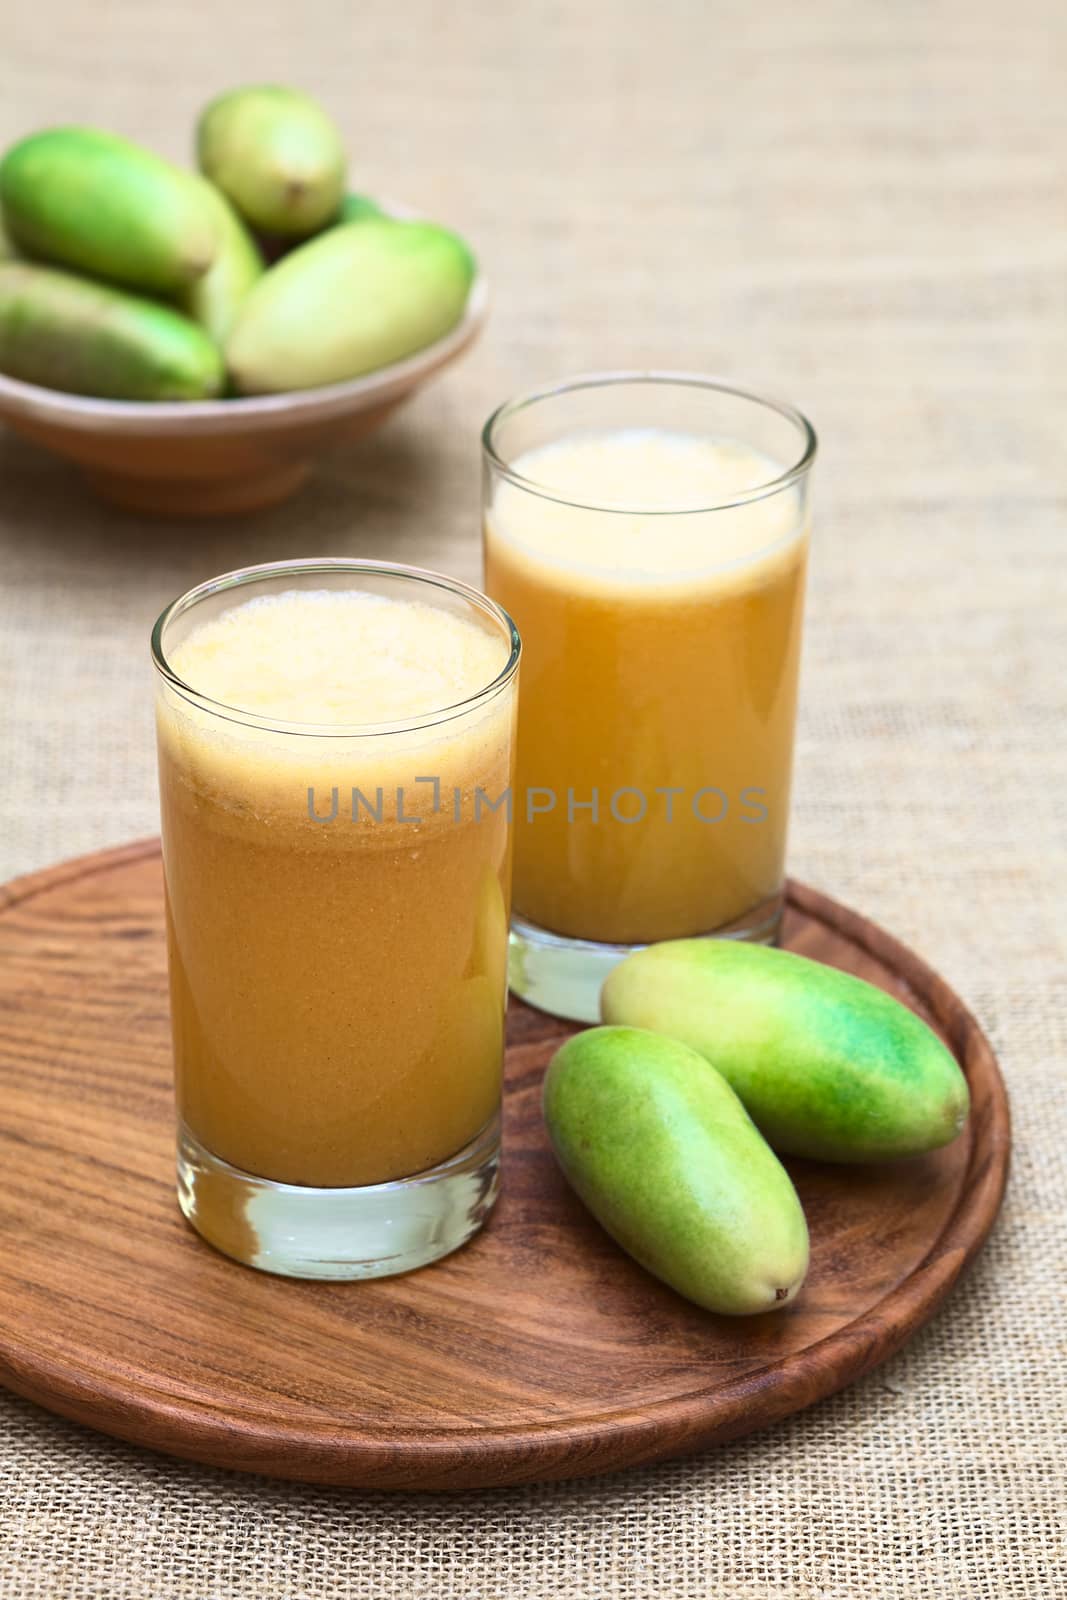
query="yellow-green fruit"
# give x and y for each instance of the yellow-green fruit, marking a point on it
(69, 333)
(827, 1065)
(100, 204)
(665, 1156)
(215, 298)
(277, 155)
(348, 302)
(357, 208)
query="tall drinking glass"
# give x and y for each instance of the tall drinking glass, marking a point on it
(335, 742)
(649, 534)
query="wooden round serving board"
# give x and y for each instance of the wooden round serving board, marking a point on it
(539, 1351)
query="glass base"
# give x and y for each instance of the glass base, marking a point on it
(371, 1232)
(564, 976)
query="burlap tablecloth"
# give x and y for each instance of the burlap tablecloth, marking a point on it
(862, 206)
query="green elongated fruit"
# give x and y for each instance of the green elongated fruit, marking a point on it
(97, 203)
(277, 155)
(357, 208)
(665, 1156)
(69, 333)
(214, 299)
(348, 302)
(827, 1065)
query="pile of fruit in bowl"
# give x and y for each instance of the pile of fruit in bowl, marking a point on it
(259, 278)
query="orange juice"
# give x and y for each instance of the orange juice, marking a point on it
(661, 651)
(337, 914)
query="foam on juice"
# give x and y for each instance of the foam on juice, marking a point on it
(345, 667)
(656, 488)
(338, 657)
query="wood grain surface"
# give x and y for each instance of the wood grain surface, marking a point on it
(539, 1351)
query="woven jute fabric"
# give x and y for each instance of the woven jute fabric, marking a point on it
(863, 207)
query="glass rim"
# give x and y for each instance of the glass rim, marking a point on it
(307, 566)
(652, 376)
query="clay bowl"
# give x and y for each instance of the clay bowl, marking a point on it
(205, 458)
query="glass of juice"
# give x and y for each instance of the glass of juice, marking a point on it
(649, 534)
(335, 756)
